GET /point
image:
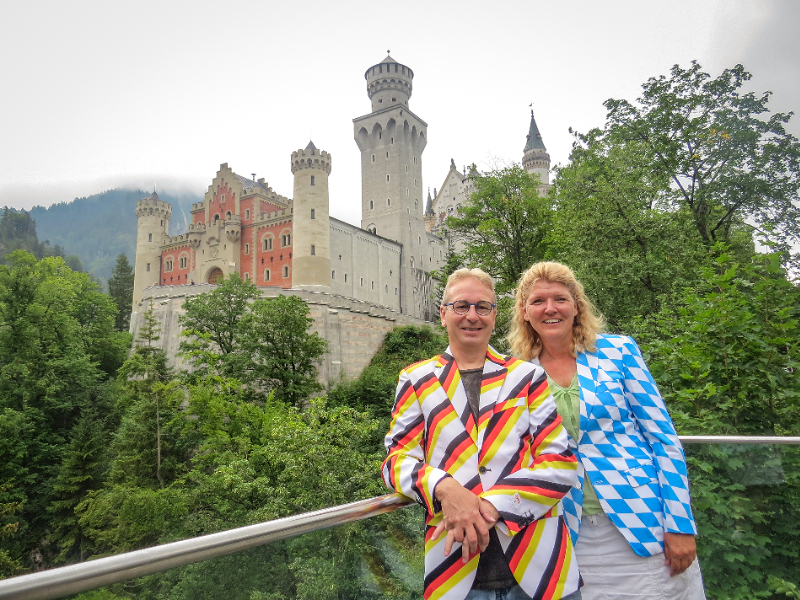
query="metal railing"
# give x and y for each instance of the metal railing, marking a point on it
(73, 579)
(81, 577)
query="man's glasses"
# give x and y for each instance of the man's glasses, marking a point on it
(461, 307)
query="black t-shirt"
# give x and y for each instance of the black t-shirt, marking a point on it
(493, 570)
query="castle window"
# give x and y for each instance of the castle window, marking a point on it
(286, 240)
(380, 101)
(148, 267)
(362, 282)
(216, 218)
(345, 277)
(380, 133)
(312, 180)
(333, 275)
(372, 283)
(395, 291)
(247, 276)
(415, 160)
(247, 248)
(313, 216)
(149, 237)
(162, 222)
(387, 178)
(392, 142)
(222, 199)
(266, 274)
(371, 205)
(285, 271)
(313, 250)
(168, 265)
(394, 99)
(412, 262)
(387, 155)
(415, 183)
(406, 168)
(267, 243)
(419, 240)
(228, 216)
(373, 158)
(247, 213)
(416, 205)
(407, 194)
(386, 289)
(388, 202)
(183, 262)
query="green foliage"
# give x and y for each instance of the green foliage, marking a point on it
(263, 342)
(726, 355)
(726, 158)
(277, 353)
(120, 288)
(453, 261)
(504, 225)
(9, 526)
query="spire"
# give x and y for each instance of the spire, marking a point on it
(311, 147)
(429, 204)
(534, 137)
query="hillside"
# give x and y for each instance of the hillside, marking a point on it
(99, 227)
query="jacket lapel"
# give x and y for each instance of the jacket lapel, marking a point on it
(494, 374)
(587, 378)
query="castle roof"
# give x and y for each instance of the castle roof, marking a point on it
(429, 204)
(154, 196)
(534, 137)
(389, 59)
(249, 184)
(311, 147)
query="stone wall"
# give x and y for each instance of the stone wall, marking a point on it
(354, 329)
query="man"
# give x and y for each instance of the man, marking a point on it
(476, 440)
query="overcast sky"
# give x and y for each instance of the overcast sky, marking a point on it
(104, 94)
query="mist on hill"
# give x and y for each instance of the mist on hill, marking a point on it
(97, 228)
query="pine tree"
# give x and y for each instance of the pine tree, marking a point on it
(120, 288)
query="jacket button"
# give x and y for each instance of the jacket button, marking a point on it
(482, 470)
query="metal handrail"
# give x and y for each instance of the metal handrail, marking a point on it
(739, 439)
(81, 577)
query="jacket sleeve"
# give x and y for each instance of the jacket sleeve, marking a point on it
(545, 469)
(654, 421)
(405, 469)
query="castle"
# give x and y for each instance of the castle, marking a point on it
(359, 282)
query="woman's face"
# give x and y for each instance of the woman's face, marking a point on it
(551, 310)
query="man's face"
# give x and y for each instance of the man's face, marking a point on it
(470, 331)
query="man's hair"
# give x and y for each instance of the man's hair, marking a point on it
(525, 342)
(461, 274)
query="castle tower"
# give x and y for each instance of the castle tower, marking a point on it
(153, 216)
(311, 263)
(535, 158)
(391, 139)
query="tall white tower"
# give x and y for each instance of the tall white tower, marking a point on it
(311, 261)
(535, 158)
(153, 216)
(391, 139)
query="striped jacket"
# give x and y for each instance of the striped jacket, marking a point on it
(629, 448)
(516, 457)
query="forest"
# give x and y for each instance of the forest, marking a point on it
(679, 214)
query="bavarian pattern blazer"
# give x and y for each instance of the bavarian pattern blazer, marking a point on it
(516, 457)
(629, 448)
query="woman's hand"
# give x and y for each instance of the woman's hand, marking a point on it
(680, 550)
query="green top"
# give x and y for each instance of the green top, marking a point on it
(568, 404)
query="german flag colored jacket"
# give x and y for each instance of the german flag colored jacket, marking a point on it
(517, 457)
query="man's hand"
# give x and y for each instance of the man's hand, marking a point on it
(467, 518)
(679, 550)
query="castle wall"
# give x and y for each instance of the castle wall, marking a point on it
(354, 329)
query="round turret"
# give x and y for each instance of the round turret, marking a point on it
(311, 259)
(388, 84)
(153, 215)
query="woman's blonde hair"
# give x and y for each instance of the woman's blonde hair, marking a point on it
(525, 342)
(460, 274)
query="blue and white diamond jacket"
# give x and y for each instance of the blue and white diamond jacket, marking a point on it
(629, 448)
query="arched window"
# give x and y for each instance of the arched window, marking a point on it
(333, 275)
(168, 265)
(228, 216)
(286, 240)
(285, 271)
(183, 262)
(266, 244)
(266, 275)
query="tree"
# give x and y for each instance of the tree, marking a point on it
(726, 159)
(120, 288)
(504, 225)
(211, 324)
(453, 261)
(613, 226)
(277, 352)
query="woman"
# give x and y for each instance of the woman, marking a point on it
(630, 515)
